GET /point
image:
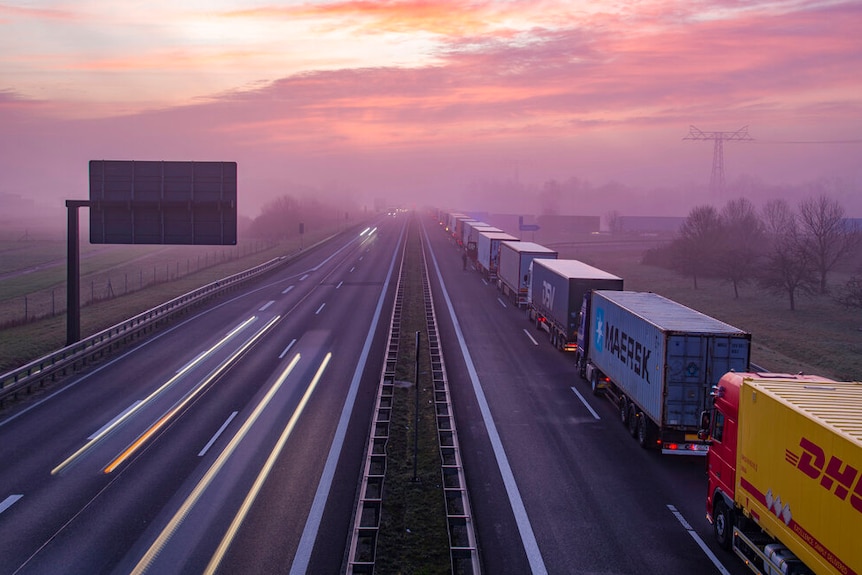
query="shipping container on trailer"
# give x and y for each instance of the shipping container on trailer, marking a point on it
(555, 293)
(458, 233)
(488, 252)
(785, 472)
(658, 360)
(513, 277)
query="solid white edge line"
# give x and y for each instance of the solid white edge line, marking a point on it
(114, 420)
(525, 528)
(315, 514)
(10, 501)
(685, 524)
(531, 337)
(584, 401)
(217, 434)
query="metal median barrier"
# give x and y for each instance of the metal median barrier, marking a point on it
(76, 356)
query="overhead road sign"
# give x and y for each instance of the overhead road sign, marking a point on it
(146, 202)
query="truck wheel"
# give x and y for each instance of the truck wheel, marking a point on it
(634, 415)
(643, 431)
(594, 383)
(624, 410)
(722, 524)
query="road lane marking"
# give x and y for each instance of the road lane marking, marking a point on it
(87, 446)
(339, 284)
(217, 434)
(114, 420)
(698, 540)
(241, 514)
(303, 278)
(287, 349)
(502, 303)
(320, 309)
(531, 337)
(266, 305)
(9, 502)
(178, 407)
(181, 514)
(315, 515)
(584, 401)
(351, 269)
(525, 528)
(287, 289)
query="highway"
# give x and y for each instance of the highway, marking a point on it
(557, 484)
(231, 442)
(237, 414)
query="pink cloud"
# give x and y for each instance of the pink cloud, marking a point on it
(602, 96)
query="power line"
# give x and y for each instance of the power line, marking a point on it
(810, 141)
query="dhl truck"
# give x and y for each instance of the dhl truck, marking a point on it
(785, 472)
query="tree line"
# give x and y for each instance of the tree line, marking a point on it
(784, 249)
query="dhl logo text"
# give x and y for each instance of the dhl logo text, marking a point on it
(835, 476)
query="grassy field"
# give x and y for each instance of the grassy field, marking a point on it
(33, 274)
(819, 337)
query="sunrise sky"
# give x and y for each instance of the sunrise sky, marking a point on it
(418, 101)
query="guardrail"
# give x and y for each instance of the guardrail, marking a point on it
(80, 354)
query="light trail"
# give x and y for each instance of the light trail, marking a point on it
(117, 421)
(131, 449)
(264, 472)
(153, 552)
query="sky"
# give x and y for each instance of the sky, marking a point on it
(426, 102)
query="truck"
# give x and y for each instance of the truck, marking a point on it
(513, 277)
(555, 293)
(471, 236)
(657, 360)
(458, 230)
(488, 252)
(785, 472)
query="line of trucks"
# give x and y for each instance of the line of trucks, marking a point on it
(783, 452)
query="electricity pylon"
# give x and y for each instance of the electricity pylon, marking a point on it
(716, 181)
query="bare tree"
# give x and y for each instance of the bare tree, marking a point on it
(695, 248)
(741, 244)
(850, 295)
(788, 265)
(826, 234)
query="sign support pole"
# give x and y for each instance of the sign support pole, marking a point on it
(73, 273)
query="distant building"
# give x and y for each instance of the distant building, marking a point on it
(650, 224)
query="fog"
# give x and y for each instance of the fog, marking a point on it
(495, 106)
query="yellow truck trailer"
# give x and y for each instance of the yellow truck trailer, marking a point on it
(785, 472)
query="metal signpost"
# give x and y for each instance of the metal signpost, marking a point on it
(151, 202)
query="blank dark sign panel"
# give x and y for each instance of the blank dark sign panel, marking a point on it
(134, 202)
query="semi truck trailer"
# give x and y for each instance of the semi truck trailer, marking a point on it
(488, 252)
(513, 277)
(555, 292)
(657, 360)
(785, 472)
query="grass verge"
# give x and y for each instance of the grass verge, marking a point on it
(413, 537)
